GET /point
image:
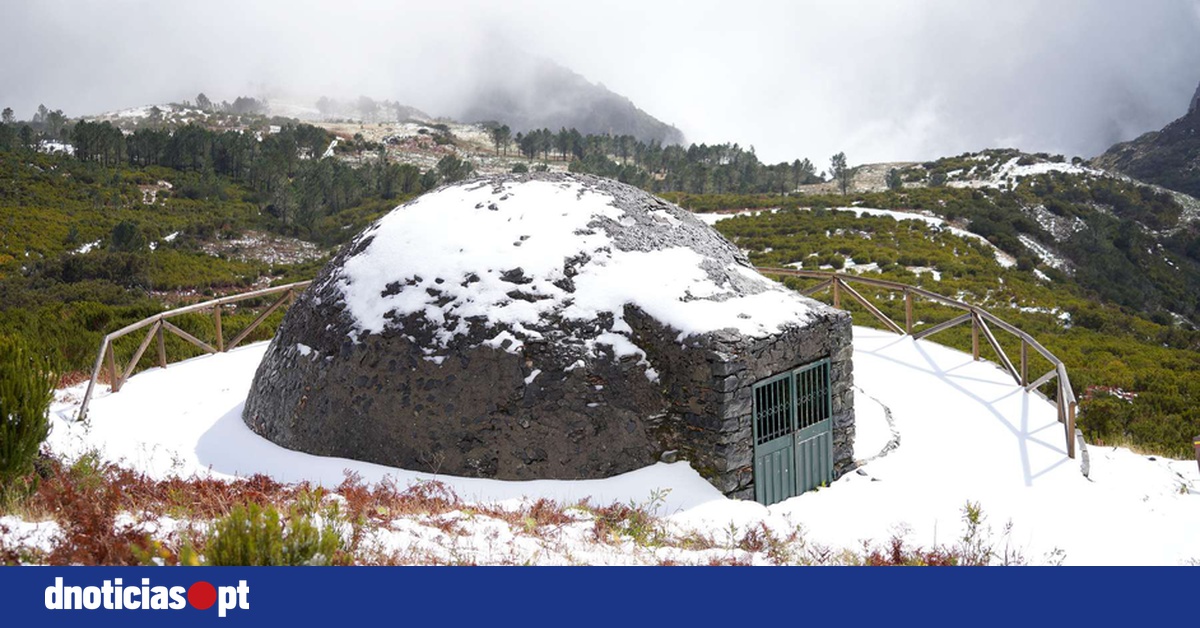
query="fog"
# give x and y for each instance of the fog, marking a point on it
(880, 80)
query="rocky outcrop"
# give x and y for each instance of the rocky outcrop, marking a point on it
(1170, 157)
(541, 326)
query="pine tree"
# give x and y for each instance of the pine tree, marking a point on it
(840, 171)
(26, 388)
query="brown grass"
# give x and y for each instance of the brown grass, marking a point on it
(109, 515)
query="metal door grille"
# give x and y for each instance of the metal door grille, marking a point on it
(793, 432)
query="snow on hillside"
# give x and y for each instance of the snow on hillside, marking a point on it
(1010, 173)
(51, 147)
(293, 110)
(1047, 256)
(965, 432)
(169, 111)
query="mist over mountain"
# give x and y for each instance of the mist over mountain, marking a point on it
(878, 80)
(533, 93)
(1169, 157)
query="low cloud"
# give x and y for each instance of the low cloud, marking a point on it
(879, 80)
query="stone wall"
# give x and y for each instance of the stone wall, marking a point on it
(709, 391)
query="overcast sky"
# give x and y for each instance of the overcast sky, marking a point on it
(880, 80)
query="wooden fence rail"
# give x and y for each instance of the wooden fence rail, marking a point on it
(981, 326)
(981, 321)
(160, 323)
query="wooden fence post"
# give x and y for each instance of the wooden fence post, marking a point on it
(217, 322)
(837, 292)
(975, 335)
(908, 317)
(162, 347)
(1058, 401)
(1070, 429)
(1024, 363)
(115, 379)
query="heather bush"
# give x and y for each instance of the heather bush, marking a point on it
(256, 536)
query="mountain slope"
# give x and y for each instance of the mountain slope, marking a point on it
(544, 94)
(1170, 157)
(1130, 243)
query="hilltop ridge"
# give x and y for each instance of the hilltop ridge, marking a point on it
(1169, 157)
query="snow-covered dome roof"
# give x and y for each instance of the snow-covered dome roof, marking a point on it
(517, 255)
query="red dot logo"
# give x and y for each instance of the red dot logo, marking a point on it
(202, 595)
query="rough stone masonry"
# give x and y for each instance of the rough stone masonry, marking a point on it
(435, 392)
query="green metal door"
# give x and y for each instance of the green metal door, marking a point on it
(774, 439)
(814, 426)
(793, 433)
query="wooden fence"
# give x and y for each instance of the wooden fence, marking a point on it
(159, 324)
(981, 327)
(981, 321)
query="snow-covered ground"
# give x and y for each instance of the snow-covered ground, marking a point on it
(1011, 172)
(965, 433)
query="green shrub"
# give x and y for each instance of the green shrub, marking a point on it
(252, 535)
(26, 388)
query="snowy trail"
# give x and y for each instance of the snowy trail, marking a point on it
(967, 433)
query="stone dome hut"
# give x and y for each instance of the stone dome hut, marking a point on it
(558, 326)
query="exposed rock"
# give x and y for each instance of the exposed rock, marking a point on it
(1169, 157)
(541, 326)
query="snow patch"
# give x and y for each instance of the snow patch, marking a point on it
(921, 270)
(413, 264)
(506, 341)
(1044, 253)
(1009, 174)
(51, 146)
(329, 151)
(41, 536)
